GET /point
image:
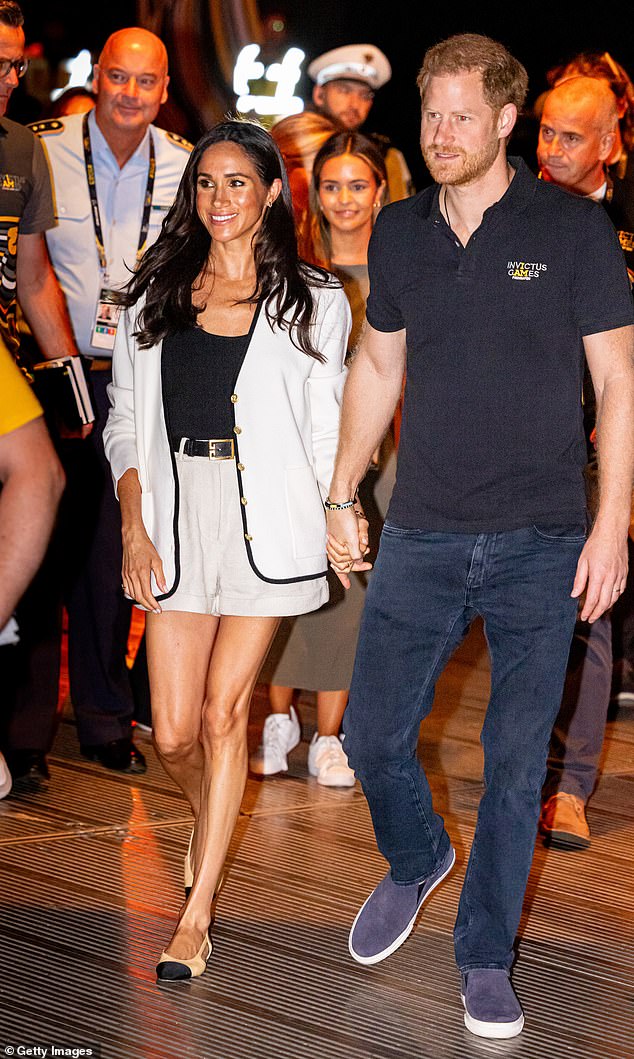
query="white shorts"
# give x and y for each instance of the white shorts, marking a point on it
(215, 574)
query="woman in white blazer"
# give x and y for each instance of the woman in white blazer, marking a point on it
(228, 372)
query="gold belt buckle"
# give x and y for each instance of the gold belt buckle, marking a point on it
(212, 449)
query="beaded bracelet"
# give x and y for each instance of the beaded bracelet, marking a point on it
(330, 505)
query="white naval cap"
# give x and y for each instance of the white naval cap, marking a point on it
(357, 62)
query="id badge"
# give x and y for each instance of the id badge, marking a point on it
(106, 319)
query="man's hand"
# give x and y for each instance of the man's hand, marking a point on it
(373, 387)
(601, 572)
(347, 542)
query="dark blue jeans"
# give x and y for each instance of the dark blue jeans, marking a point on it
(424, 593)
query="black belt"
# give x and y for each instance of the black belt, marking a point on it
(211, 450)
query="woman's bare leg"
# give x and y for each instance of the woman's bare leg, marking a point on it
(238, 651)
(280, 698)
(179, 647)
(330, 709)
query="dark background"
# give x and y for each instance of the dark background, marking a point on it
(539, 34)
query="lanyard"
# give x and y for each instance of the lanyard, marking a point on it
(92, 191)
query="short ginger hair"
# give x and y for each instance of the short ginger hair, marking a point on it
(504, 79)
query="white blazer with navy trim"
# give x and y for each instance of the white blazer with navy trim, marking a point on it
(286, 409)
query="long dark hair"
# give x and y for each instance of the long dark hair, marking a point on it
(345, 142)
(170, 267)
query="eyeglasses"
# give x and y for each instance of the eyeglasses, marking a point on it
(19, 65)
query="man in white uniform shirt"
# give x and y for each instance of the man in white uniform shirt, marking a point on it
(115, 176)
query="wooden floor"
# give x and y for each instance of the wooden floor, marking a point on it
(90, 871)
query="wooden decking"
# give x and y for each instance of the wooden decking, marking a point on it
(90, 871)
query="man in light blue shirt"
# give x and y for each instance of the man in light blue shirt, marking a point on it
(130, 83)
(115, 176)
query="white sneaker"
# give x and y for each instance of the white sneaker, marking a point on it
(280, 735)
(6, 781)
(327, 761)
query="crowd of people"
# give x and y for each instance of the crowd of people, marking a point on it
(272, 324)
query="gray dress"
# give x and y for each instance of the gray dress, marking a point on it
(315, 652)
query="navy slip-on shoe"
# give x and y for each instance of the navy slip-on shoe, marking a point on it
(491, 1006)
(387, 918)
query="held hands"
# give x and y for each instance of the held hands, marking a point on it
(140, 560)
(601, 573)
(347, 542)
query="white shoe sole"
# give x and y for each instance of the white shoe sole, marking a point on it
(333, 781)
(259, 768)
(499, 1031)
(383, 955)
(625, 698)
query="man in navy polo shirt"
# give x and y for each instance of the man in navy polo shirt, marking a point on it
(490, 287)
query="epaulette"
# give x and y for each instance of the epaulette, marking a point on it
(180, 141)
(50, 125)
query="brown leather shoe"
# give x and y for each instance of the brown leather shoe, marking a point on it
(563, 822)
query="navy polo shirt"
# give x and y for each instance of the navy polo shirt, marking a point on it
(492, 434)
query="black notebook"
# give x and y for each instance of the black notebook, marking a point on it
(62, 388)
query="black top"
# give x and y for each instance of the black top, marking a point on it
(492, 435)
(620, 207)
(199, 372)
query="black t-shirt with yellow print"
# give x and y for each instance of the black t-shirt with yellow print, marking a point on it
(26, 208)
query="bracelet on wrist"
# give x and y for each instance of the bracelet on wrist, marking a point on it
(330, 505)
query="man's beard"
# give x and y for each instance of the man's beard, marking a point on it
(468, 168)
(350, 123)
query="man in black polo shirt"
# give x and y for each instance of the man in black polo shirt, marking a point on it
(489, 287)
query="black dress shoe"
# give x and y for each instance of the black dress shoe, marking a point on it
(119, 754)
(23, 763)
